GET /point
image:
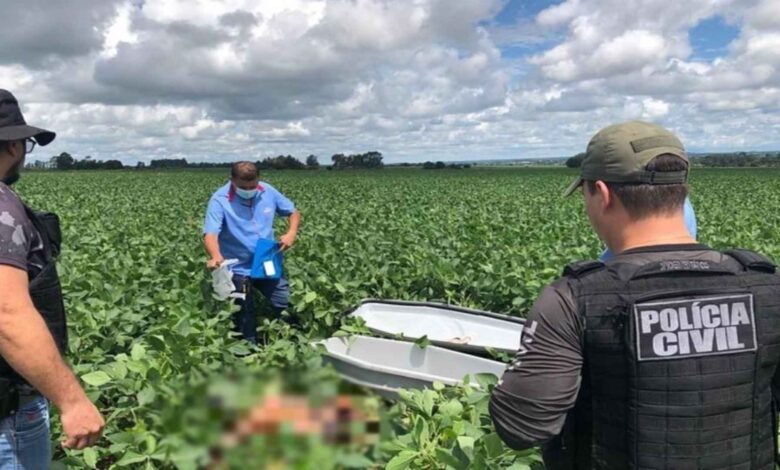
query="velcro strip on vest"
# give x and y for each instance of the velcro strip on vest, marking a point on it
(667, 267)
(752, 260)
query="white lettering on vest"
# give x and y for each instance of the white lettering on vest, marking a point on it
(702, 340)
(683, 342)
(733, 336)
(695, 327)
(649, 317)
(667, 348)
(685, 322)
(669, 320)
(739, 314)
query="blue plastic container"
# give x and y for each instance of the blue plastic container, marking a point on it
(268, 261)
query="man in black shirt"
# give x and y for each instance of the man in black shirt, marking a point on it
(665, 356)
(33, 331)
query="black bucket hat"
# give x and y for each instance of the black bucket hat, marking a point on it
(14, 127)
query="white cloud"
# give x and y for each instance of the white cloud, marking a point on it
(654, 109)
(413, 78)
(119, 30)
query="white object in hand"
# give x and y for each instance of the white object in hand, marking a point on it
(222, 281)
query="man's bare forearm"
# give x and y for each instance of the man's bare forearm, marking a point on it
(27, 345)
(294, 222)
(211, 242)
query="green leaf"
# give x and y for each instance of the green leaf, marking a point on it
(423, 342)
(355, 461)
(466, 444)
(409, 398)
(392, 447)
(121, 437)
(473, 431)
(130, 458)
(138, 352)
(452, 408)
(310, 297)
(151, 444)
(477, 397)
(493, 445)
(486, 381)
(459, 427)
(420, 432)
(146, 396)
(240, 348)
(428, 401)
(96, 379)
(138, 367)
(445, 457)
(401, 461)
(321, 313)
(90, 457)
(519, 466)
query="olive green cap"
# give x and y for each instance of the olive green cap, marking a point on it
(620, 153)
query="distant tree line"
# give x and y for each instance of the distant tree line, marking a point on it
(282, 162)
(361, 160)
(734, 159)
(65, 161)
(738, 159)
(168, 163)
(441, 166)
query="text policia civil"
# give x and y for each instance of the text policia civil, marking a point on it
(700, 326)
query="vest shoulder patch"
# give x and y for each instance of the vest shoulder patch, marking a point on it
(579, 268)
(694, 327)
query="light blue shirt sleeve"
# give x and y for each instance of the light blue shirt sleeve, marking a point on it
(690, 222)
(215, 215)
(690, 218)
(284, 206)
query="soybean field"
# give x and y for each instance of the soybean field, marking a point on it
(154, 349)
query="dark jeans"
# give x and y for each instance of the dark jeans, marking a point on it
(276, 291)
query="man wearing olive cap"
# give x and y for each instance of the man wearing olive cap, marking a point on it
(664, 356)
(33, 330)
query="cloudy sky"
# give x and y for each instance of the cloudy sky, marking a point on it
(215, 80)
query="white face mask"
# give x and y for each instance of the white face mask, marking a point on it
(246, 193)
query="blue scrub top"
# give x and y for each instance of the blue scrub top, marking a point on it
(690, 222)
(239, 222)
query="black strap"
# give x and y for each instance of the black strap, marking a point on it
(9, 398)
(775, 430)
(46, 224)
(751, 260)
(579, 268)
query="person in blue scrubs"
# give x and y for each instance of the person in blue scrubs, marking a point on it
(239, 214)
(690, 222)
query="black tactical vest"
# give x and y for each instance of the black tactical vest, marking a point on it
(679, 360)
(45, 289)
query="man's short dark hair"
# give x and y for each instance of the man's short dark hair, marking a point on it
(243, 171)
(5, 145)
(646, 200)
